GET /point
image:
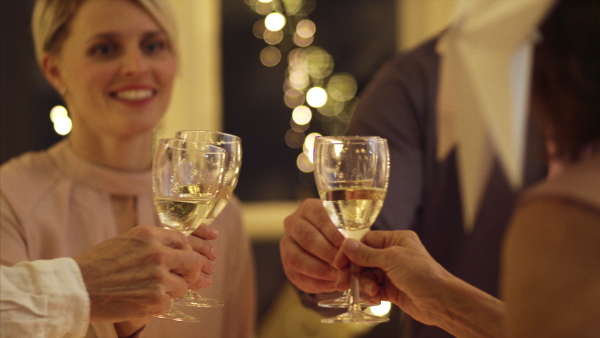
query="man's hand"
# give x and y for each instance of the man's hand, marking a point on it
(308, 248)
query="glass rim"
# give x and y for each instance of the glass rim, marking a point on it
(217, 149)
(234, 137)
(357, 138)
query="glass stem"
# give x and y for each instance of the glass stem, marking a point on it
(354, 288)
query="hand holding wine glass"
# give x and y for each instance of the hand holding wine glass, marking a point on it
(233, 147)
(186, 180)
(351, 173)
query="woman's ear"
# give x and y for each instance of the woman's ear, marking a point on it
(52, 72)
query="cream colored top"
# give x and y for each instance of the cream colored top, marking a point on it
(55, 204)
(43, 298)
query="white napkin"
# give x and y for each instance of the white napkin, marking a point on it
(486, 58)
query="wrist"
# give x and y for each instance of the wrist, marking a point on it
(466, 311)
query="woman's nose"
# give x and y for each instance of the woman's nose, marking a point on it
(134, 63)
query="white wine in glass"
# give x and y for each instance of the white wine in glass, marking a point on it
(232, 144)
(351, 173)
(186, 179)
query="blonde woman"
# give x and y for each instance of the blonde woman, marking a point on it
(114, 63)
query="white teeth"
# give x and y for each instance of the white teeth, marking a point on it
(135, 94)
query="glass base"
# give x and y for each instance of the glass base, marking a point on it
(355, 317)
(193, 298)
(343, 302)
(177, 316)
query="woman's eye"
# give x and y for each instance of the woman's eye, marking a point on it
(103, 50)
(155, 46)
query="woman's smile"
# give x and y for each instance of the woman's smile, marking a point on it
(134, 95)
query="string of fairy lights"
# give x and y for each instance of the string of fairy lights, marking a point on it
(311, 89)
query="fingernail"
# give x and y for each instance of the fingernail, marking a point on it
(213, 232)
(214, 253)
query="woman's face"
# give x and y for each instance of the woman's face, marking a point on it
(116, 68)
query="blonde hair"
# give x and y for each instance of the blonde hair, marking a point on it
(51, 18)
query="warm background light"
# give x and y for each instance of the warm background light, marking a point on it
(275, 21)
(301, 115)
(60, 117)
(316, 97)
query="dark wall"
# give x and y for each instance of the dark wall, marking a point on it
(25, 96)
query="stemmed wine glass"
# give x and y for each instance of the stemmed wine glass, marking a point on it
(351, 173)
(232, 144)
(186, 179)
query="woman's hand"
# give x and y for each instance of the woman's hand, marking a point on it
(398, 269)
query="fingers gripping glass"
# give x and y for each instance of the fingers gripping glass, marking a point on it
(351, 173)
(186, 179)
(233, 161)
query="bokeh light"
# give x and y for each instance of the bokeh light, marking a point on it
(342, 87)
(273, 37)
(263, 8)
(299, 79)
(60, 117)
(258, 29)
(303, 41)
(299, 127)
(309, 145)
(301, 115)
(293, 7)
(270, 56)
(331, 108)
(304, 163)
(306, 28)
(319, 62)
(294, 139)
(275, 21)
(58, 112)
(316, 97)
(293, 98)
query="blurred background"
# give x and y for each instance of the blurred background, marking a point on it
(276, 73)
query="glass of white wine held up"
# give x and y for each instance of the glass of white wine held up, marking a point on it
(351, 173)
(232, 144)
(186, 179)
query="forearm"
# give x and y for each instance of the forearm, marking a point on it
(466, 311)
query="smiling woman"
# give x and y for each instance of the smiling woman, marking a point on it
(114, 67)
(114, 63)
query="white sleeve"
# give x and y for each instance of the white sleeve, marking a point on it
(43, 298)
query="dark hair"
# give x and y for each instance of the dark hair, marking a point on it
(566, 76)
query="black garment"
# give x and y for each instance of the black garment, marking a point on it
(400, 104)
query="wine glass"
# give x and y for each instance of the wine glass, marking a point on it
(186, 179)
(233, 146)
(344, 300)
(351, 173)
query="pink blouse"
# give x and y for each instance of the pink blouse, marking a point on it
(55, 204)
